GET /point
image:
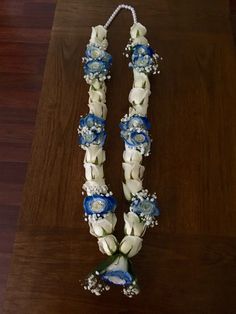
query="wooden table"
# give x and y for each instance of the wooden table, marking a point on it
(187, 265)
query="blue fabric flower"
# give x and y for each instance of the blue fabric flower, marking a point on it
(145, 207)
(92, 130)
(98, 62)
(140, 62)
(136, 139)
(94, 52)
(96, 67)
(136, 121)
(142, 50)
(99, 204)
(91, 120)
(118, 277)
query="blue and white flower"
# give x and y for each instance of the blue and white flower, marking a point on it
(145, 205)
(92, 130)
(99, 204)
(142, 50)
(135, 122)
(137, 139)
(96, 68)
(94, 52)
(143, 57)
(115, 270)
(97, 63)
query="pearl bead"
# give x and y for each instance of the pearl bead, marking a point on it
(121, 6)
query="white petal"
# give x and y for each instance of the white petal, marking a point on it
(96, 95)
(130, 245)
(132, 155)
(98, 108)
(133, 225)
(141, 80)
(120, 263)
(108, 244)
(98, 33)
(93, 172)
(134, 185)
(133, 170)
(102, 226)
(94, 154)
(137, 29)
(98, 85)
(139, 96)
(140, 40)
(138, 109)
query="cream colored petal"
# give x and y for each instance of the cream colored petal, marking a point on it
(130, 245)
(139, 109)
(132, 155)
(98, 108)
(96, 95)
(94, 154)
(131, 187)
(141, 80)
(98, 33)
(133, 170)
(93, 172)
(140, 40)
(139, 96)
(137, 29)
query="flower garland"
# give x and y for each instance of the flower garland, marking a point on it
(100, 204)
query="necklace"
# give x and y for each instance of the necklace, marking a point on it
(99, 203)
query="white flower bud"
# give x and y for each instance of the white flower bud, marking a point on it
(130, 245)
(102, 226)
(138, 109)
(131, 187)
(133, 170)
(140, 40)
(132, 155)
(108, 244)
(96, 95)
(98, 108)
(139, 96)
(133, 225)
(137, 29)
(99, 33)
(141, 80)
(98, 85)
(94, 154)
(93, 172)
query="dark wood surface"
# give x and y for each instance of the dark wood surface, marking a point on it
(187, 265)
(24, 35)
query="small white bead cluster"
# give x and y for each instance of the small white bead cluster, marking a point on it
(131, 290)
(121, 6)
(95, 284)
(99, 189)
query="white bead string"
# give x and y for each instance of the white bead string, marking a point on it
(121, 6)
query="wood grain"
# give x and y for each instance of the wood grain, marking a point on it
(25, 29)
(188, 264)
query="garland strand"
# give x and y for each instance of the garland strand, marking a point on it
(100, 204)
